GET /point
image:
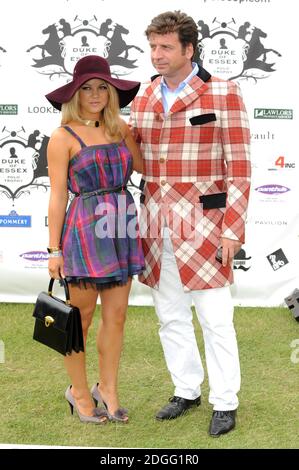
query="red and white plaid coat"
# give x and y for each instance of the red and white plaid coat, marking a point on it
(200, 148)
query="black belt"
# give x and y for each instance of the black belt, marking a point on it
(101, 192)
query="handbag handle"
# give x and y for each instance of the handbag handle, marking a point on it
(65, 286)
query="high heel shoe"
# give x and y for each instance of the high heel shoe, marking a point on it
(97, 417)
(120, 415)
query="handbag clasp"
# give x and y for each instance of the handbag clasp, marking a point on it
(49, 320)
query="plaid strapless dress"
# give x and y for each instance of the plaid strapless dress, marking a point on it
(100, 240)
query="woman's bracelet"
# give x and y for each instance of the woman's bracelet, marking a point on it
(53, 249)
(55, 254)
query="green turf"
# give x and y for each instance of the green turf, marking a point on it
(33, 380)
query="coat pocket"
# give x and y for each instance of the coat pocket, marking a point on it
(202, 119)
(213, 201)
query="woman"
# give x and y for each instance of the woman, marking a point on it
(92, 155)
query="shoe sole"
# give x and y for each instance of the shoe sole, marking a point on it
(178, 416)
(222, 433)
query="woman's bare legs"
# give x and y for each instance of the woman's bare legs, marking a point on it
(114, 303)
(85, 300)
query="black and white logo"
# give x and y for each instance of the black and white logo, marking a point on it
(241, 261)
(66, 43)
(23, 162)
(232, 51)
(277, 259)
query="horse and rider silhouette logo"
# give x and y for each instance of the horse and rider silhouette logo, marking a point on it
(231, 52)
(23, 162)
(65, 44)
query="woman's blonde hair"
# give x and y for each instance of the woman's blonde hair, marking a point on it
(110, 115)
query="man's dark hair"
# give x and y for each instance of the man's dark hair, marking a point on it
(175, 22)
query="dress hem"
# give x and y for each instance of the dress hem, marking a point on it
(99, 283)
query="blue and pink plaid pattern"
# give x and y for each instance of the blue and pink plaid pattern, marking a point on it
(96, 245)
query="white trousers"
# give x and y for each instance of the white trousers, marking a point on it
(214, 309)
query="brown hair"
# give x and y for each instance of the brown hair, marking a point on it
(111, 119)
(175, 22)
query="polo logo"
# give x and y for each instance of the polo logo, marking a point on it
(23, 162)
(232, 51)
(66, 43)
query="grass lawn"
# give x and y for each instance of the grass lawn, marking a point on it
(33, 380)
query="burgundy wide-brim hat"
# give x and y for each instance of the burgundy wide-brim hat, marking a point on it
(93, 66)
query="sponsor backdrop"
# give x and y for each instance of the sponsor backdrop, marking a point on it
(249, 41)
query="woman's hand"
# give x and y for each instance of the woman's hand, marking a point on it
(55, 267)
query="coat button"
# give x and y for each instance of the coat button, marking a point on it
(163, 182)
(162, 160)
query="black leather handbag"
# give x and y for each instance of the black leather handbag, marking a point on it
(57, 322)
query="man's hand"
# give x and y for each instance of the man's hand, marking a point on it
(229, 249)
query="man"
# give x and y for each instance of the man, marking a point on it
(194, 136)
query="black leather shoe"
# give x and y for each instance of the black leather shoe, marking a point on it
(176, 407)
(222, 422)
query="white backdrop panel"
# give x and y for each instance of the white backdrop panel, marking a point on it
(39, 44)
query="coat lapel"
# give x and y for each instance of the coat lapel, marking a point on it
(196, 87)
(155, 95)
(190, 93)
